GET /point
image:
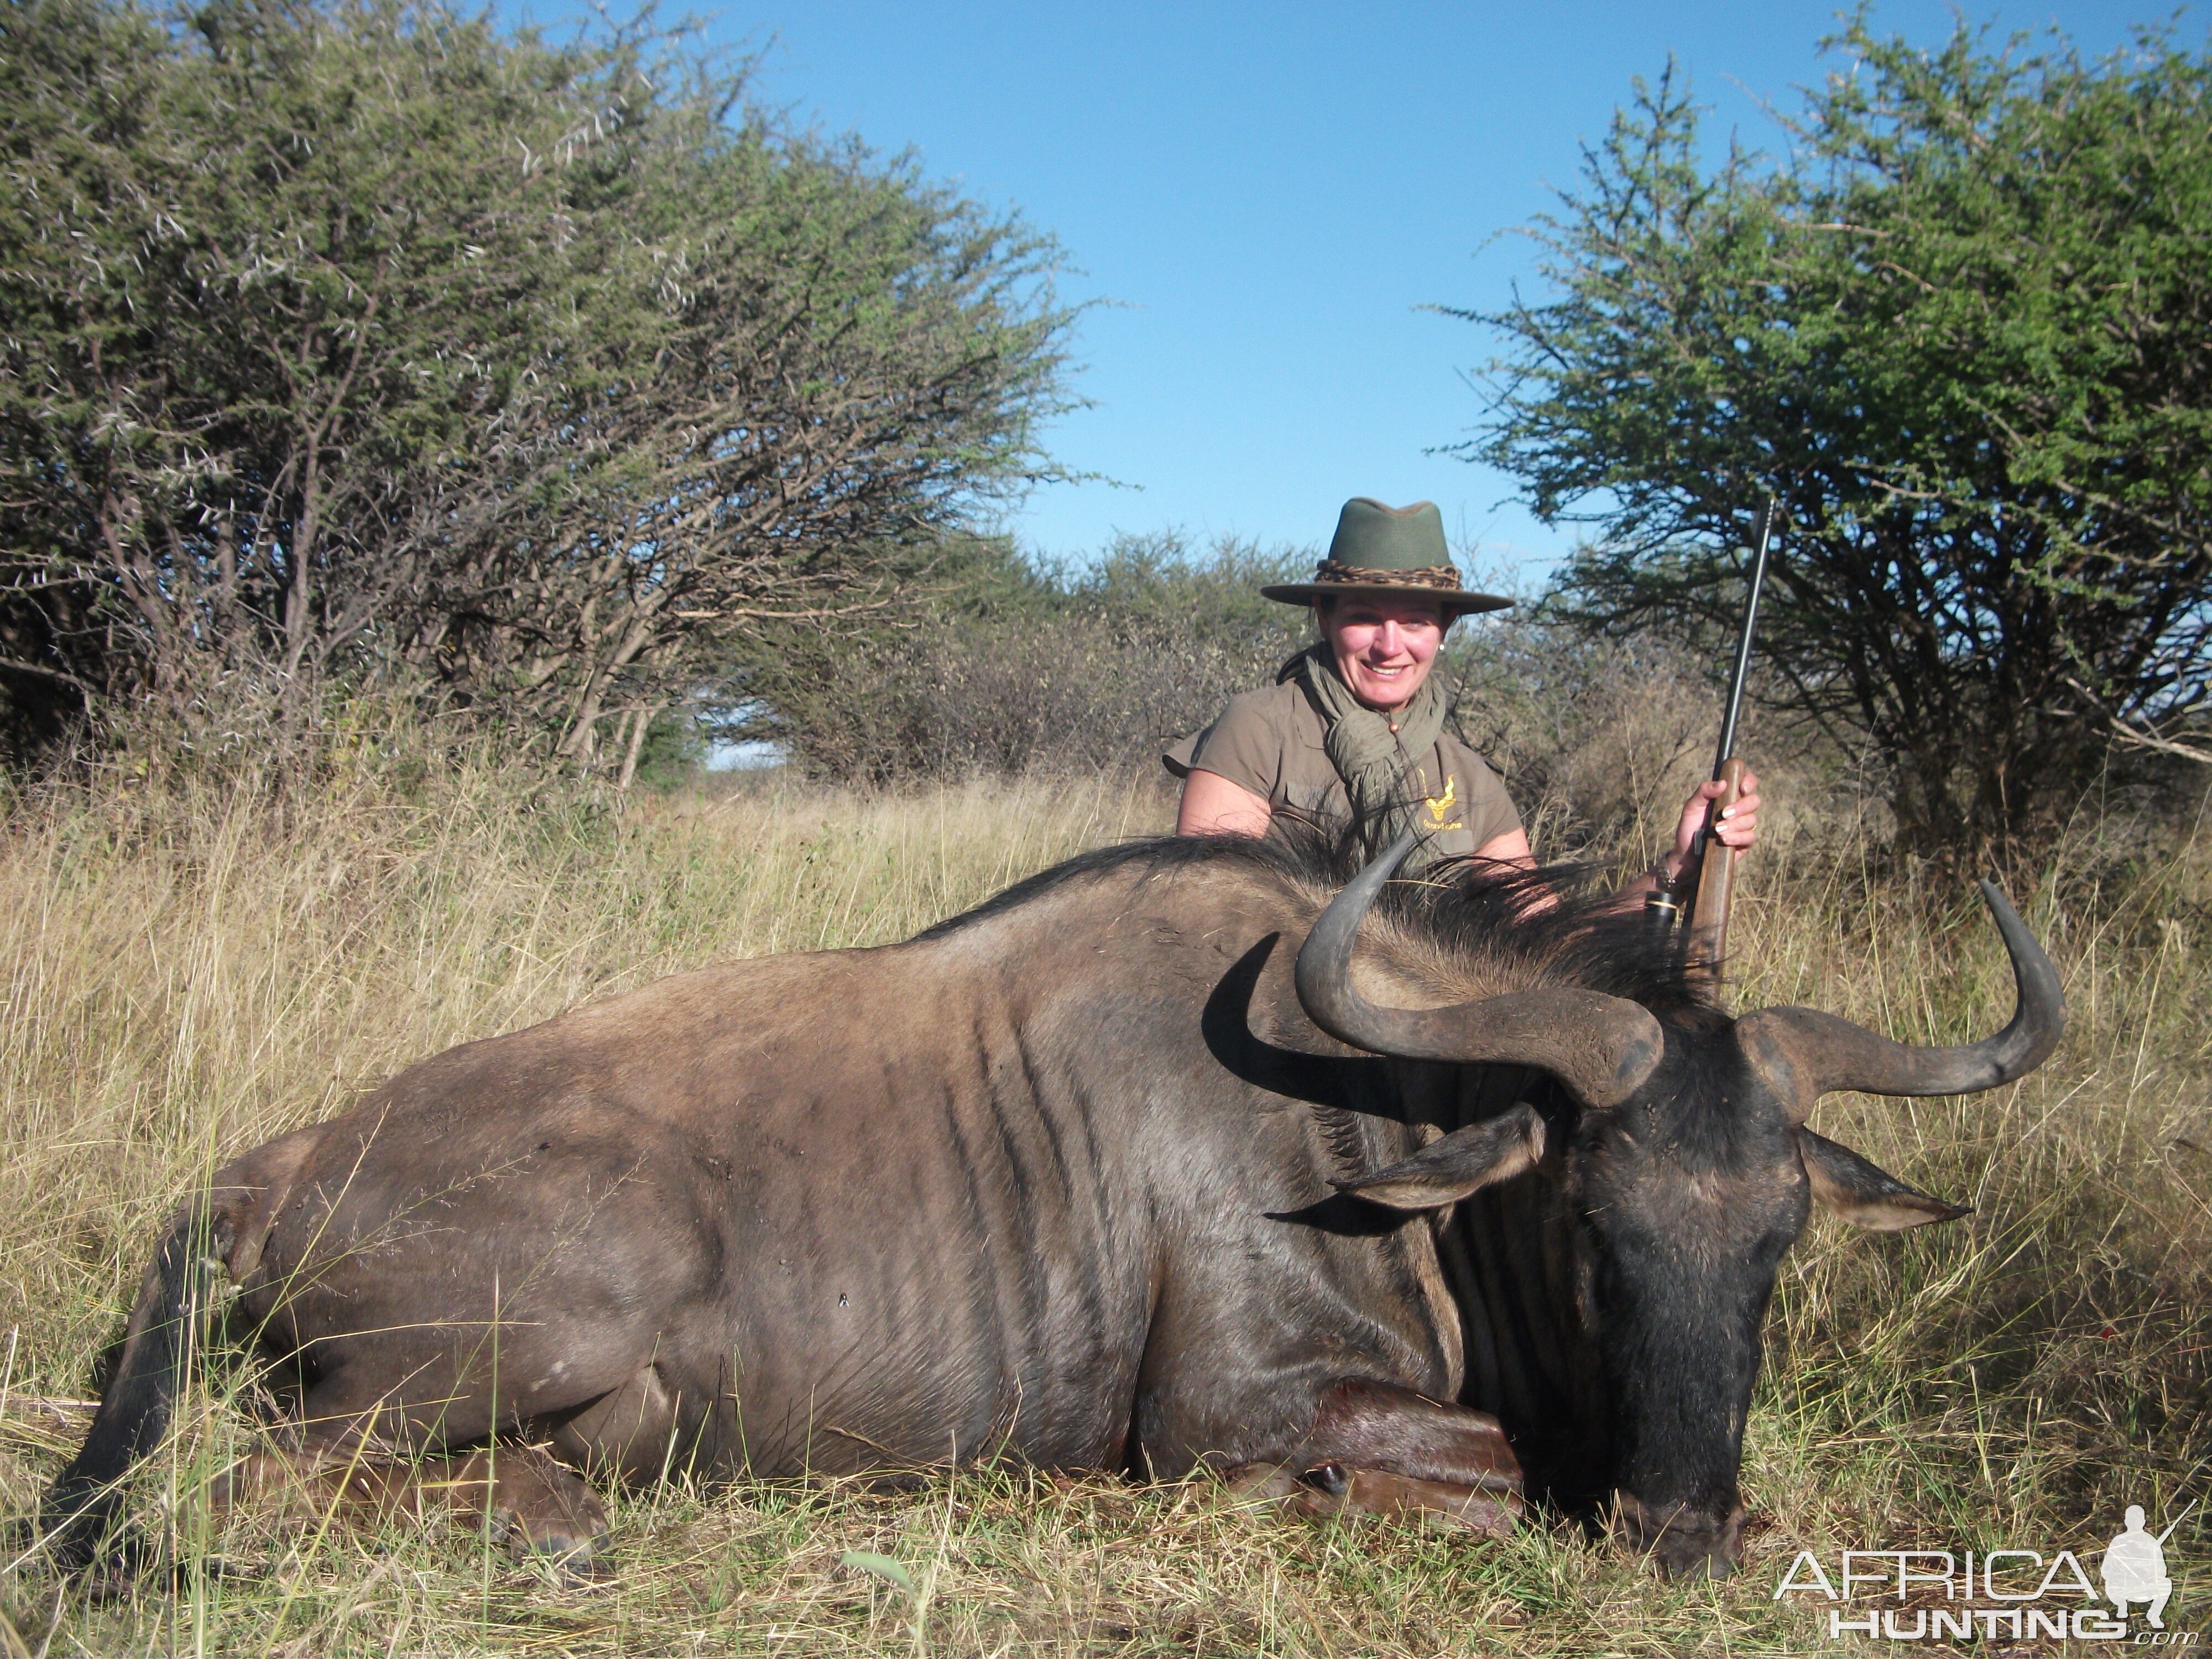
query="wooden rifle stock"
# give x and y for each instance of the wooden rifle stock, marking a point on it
(1716, 878)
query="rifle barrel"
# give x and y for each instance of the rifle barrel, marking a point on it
(1743, 639)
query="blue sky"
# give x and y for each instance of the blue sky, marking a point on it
(1267, 197)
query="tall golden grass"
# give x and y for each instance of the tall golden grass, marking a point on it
(196, 962)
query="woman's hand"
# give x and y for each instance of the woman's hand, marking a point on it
(1738, 827)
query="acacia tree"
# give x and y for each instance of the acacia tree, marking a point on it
(356, 342)
(1963, 331)
(847, 361)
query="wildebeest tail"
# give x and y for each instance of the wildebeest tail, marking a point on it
(81, 1510)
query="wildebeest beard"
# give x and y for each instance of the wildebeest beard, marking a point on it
(1174, 1155)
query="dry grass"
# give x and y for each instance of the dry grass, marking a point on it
(190, 969)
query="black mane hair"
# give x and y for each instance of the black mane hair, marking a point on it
(1559, 920)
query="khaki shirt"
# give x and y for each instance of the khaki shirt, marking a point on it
(1270, 743)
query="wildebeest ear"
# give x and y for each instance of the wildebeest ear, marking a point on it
(1446, 1171)
(1863, 1194)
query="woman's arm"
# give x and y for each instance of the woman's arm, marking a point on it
(1212, 805)
(1512, 848)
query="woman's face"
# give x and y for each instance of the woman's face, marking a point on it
(1383, 646)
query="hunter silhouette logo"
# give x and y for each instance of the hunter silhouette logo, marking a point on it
(2134, 1567)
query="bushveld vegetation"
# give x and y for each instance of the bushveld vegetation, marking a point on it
(362, 344)
(1957, 328)
(1005, 666)
(199, 959)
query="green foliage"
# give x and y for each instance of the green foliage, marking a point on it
(673, 753)
(359, 341)
(1964, 331)
(1001, 667)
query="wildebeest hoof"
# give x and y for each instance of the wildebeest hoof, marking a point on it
(105, 1568)
(1329, 1477)
(1256, 1490)
(134, 1564)
(1330, 1489)
(572, 1562)
(542, 1509)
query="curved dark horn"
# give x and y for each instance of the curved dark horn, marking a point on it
(1806, 1054)
(1602, 1047)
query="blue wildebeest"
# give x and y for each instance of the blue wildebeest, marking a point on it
(1161, 1158)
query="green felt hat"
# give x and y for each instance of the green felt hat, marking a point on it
(1382, 551)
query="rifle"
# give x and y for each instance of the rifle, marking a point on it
(1708, 879)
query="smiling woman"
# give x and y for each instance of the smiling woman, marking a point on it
(1354, 729)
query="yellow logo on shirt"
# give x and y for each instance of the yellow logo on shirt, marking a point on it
(1440, 806)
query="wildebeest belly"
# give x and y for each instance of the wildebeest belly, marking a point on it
(877, 1257)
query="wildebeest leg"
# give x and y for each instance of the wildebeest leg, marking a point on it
(1383, 1450)
(531, 1501)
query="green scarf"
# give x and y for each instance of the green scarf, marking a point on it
(1376, 763)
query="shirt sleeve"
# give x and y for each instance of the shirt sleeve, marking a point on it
(1490, 812)
(1176, 755)
(1244, 747)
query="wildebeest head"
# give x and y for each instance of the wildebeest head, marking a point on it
(1685, 1168)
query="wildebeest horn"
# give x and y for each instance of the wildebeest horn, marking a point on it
(1806, 1054)
(1602, 1047)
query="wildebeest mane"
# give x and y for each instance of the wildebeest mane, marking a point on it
(1559, 924)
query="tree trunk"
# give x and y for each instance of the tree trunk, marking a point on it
(641, 720)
